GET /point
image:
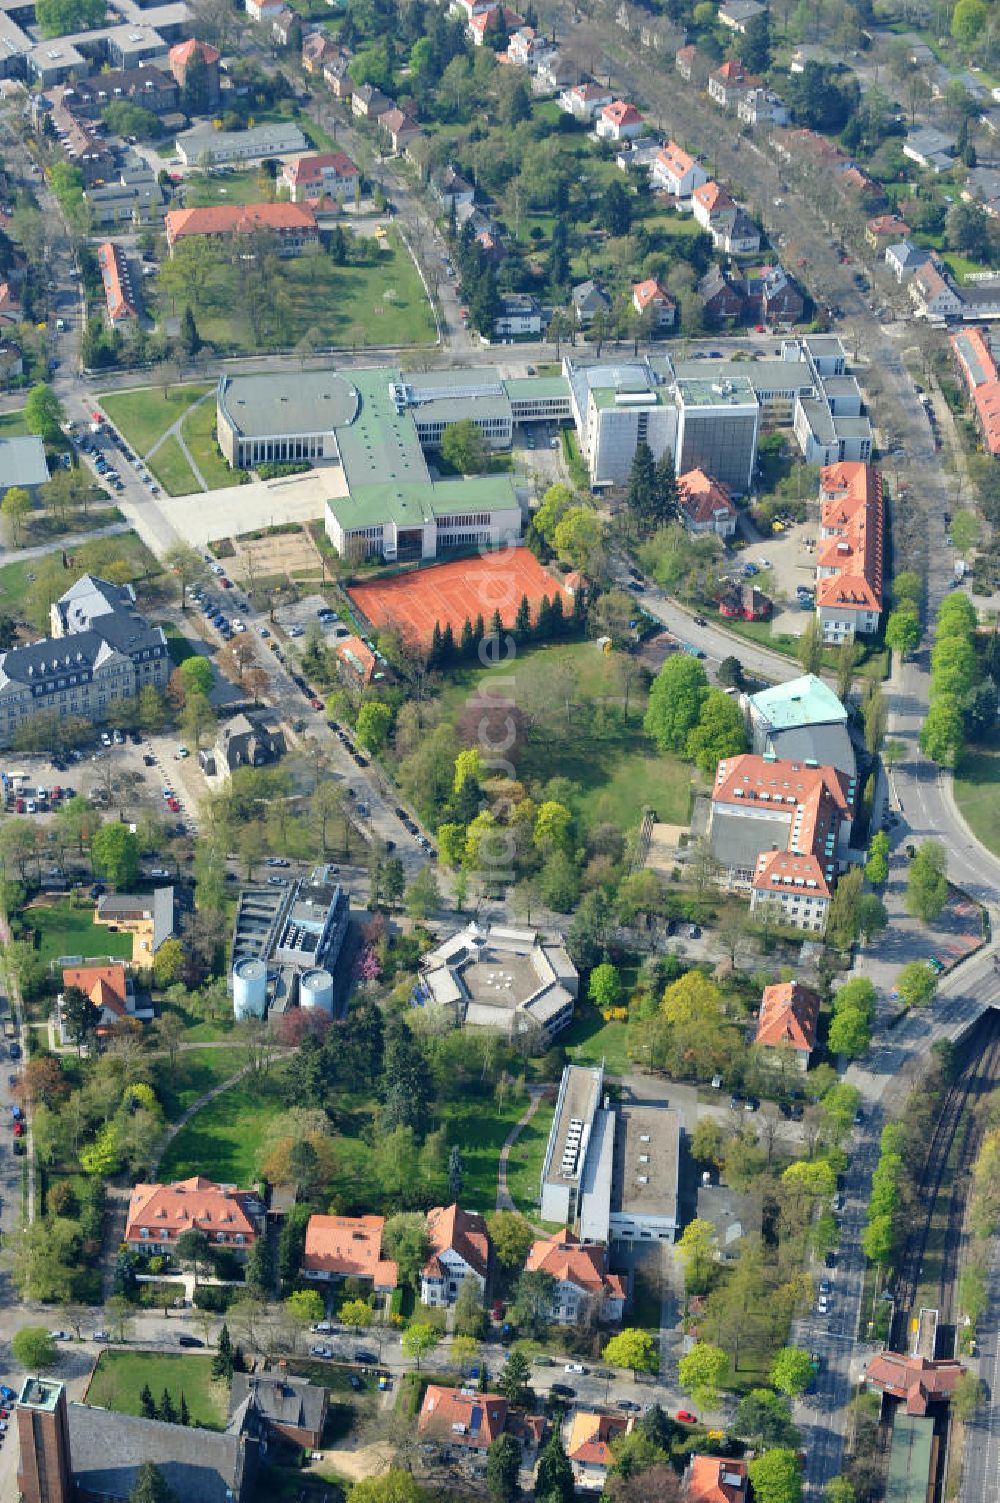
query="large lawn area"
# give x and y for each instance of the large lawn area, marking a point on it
(224, 1140)
(524, 1166)
(977, 783)
(198, 429)
(350, 306)
(12, 424)
(65, 930)
(172, 470)
(143, 415)
(589, 1040)
(480, 1128)
(579, 734)
(196, 1071)
(223, 188)
(119, 1377)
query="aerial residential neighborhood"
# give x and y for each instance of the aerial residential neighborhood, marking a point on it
(499, 739)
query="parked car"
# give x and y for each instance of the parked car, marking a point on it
(574, 1367)
(321, 1351)
(563, 1390)
(364, 1355)
(685, 1417)
(184, 1340)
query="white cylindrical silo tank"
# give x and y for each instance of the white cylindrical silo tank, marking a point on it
(316, 990)
(249, 989)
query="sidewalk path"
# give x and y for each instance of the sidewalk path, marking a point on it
(505, 1201)
(75, 540)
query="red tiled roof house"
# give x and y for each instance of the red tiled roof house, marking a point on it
(461, 1418)
(340, 1247)
(651, 299)
(460, 1250)
(715, 1479)
(158, 1214)
(293, 225)
(706, 505)
(583, 1285)
(788, 1017)
(588, 1446)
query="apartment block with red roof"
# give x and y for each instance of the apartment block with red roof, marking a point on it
(974, 356)
(158, 1214)
(789, 1014)
(459, 1250)
(119, 293)
(340, 1247)
(715, 1479)
(326, 174)
(292, 225)
(780, 831)
(583, 1285)
(850, 551)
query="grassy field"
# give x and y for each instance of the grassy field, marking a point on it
(589, 1040)
(224, 1140)
(617, 769)
(119, 1377)
(65, 930)
(224, 188)
(976, 782)
(196, 1071)
(480, 1128)
(143, 415)
(198, 429)
(12, 424)
(350, 306)
(172, 470)
(524, 1166)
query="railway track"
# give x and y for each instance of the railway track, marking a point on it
(955, 1124)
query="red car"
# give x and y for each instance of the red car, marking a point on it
(226, 584)
(685, 1417)
(173, 806)
(18, 1129)
(317, 704)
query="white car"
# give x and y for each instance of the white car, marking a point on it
(823, 1305)
(238, 625)
(59, 1335)
(574, 1367)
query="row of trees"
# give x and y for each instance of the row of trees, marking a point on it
(956, 687)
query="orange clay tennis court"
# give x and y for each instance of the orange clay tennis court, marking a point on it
(467, 587)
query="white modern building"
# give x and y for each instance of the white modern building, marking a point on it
(497, 977)
(610, 1173)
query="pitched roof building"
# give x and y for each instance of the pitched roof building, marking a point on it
(292, 1407)
(459, 1249)
(974, 355)
(706, 505)
(109, 988)
(588, 1445)
(919, 1381)
(618, 121)
(649, 296)
(789, 1014)
(293, 224)
(325, 174)
(158, 1214)
(677, 171)
(850, 551)
(582, 1280)
(716, 1479)
(339, 1247)
(119, 294)
(462, 1417)
(781, 829)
